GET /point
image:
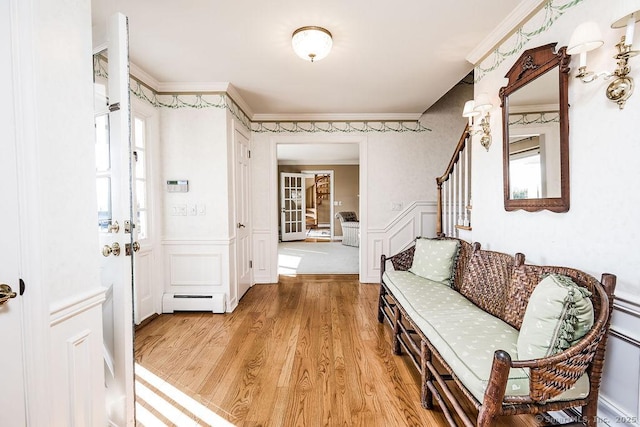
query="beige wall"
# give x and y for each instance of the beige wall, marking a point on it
(346, 187)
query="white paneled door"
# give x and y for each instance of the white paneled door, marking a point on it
(292, 207)
(243, 217)
(11, 357)
(117, 231)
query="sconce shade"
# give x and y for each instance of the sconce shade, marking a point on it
(624, 10)
(586, 37)
(483, 103)
(311, 43)
(468, 110)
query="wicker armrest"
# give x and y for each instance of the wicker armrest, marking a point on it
(551, 376)
(401, 261)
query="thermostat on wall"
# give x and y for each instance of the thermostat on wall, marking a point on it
(178, 186)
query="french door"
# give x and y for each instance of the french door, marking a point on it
(292, 207)
(116, 229)
(243, 213)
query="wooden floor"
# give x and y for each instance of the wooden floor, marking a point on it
(307, 351)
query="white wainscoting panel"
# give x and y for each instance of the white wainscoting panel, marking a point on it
(263, 259)
(418, 219)
(200, 267)
(143, 286)
(195, 269)
(76, 363)
(619, 402)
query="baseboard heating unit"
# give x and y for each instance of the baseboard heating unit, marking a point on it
(214, 303)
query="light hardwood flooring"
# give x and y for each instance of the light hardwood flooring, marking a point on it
(307, 351)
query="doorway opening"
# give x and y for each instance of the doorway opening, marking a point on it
(316, 181)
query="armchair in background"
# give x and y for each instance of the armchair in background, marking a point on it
(350, 228)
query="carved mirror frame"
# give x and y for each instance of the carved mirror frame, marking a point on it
(532, 64)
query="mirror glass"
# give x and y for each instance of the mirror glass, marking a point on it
(536, 132)
(534, 140)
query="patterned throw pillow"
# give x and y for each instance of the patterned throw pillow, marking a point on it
(558, 314)
(435, 259)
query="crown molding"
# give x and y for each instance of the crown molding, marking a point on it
(338, 117)
(192, 87)
(203, 88)
(143, 76)
(513, 21)
(235, 95)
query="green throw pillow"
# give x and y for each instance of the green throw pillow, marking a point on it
(435, 259)
(558, 314)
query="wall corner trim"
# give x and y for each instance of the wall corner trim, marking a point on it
(513, 21)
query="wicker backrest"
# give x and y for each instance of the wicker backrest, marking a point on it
(486, 280)
(525, 278)
(466, 249)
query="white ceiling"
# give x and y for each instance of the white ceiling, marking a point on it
(387, 60)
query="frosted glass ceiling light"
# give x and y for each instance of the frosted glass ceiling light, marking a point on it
(311, 43)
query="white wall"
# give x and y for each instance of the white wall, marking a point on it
(601, 230)
(198, 248)
(194, 147)
(63, 84)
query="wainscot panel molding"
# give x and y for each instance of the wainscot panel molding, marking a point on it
(619, 402)
(75, 364)
(418, 219)
(199, 267)
(68, 308)
(263, 259)
(143, 284)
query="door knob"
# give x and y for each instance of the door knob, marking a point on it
(240, 225)
(113, 249)
(6, 293)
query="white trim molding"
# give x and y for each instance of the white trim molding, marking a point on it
(523, 11)
(417, 219)
(619, 402)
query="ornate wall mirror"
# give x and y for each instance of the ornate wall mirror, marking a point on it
(535, 113)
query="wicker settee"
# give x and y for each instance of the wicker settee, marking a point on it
(468, 330)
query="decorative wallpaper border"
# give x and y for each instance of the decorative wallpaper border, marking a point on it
(541, 22)
(338, 126)
(534, 118)
(222, 100)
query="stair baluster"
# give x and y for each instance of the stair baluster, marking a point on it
(454, 191)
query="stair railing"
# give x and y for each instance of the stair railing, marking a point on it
(454, 191)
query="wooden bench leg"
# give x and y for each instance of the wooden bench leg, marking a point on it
(590, 414)
(427, 395)
(396, 331)
(381, 304)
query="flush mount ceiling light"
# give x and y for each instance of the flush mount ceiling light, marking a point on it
(311, 43)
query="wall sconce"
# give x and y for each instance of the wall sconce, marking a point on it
(478, 110)
(587, 37)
